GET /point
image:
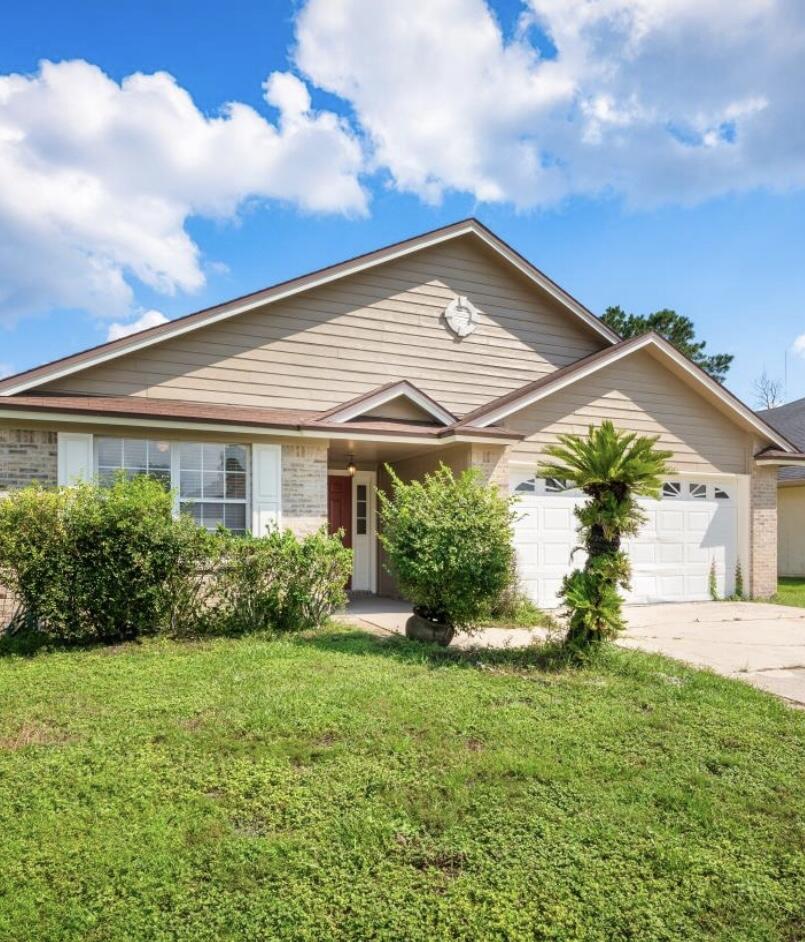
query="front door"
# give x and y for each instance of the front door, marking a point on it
(339, 508)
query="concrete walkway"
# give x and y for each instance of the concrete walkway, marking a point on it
(759, 643)
(388, 616)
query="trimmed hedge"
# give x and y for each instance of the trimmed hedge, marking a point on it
(92, 563)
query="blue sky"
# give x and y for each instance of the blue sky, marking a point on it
(624, 185)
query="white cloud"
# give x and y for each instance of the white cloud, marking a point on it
(798, 346)
(147, 319)
(97, 180)
(653, 100)
(6, 369)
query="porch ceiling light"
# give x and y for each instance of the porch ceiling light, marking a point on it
(351, 465)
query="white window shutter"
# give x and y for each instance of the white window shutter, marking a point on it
(74, 457)
(266, 488)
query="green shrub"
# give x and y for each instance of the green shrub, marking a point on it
(93, 563)
(279, 581)
(449, 544)
(33, 563)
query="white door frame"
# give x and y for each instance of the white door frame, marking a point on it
(369, 478)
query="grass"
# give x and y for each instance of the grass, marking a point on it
(520, 612)
(344, 787)
(790, 591)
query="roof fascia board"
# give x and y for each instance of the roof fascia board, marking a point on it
(795, 461)
(295, 431)
(665, 348)
(333, 273)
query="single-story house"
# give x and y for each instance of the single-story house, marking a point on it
(789, 420)
(284, 406)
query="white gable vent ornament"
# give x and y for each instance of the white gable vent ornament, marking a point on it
(461, 316)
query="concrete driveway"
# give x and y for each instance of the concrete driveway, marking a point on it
(759, 643)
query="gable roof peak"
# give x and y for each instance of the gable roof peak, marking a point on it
(30, 379)
(376, 398)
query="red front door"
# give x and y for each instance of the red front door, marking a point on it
(339, 508)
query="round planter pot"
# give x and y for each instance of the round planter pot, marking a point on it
(423, 629)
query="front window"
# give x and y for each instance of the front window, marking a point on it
(211, 480)
(133, 456)
(212, 484)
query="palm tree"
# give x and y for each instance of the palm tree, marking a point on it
(613, 469)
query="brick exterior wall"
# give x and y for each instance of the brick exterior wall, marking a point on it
(493, 463)
(763, 531)
(27, 456)
(304, 487)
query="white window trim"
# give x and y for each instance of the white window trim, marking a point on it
(66, 476)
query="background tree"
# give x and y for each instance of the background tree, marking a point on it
(676, 329)
(768, 392)
(613, 469)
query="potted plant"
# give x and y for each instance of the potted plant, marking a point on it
(448, 542)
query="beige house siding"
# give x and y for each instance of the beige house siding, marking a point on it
(791, 530)
(400, 408)
(341, 340)
(641, 395)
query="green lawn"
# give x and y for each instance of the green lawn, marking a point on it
(343, 787)
(790, 592)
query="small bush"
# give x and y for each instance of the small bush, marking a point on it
(712, 582)
(279, 581)
(449, 544)
(739, 581)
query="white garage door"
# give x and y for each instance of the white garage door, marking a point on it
(692, 527)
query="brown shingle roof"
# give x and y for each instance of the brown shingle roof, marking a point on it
(291, 419)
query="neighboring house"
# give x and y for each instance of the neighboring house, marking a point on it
(789, 420)
(448, 347)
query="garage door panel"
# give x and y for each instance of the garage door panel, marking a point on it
(697, 555)
(670, 521)
(558, 518)
(671, 556)
(698, 520)
(697, 586)
(670, 553)
(557, 554)
(641, 552)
